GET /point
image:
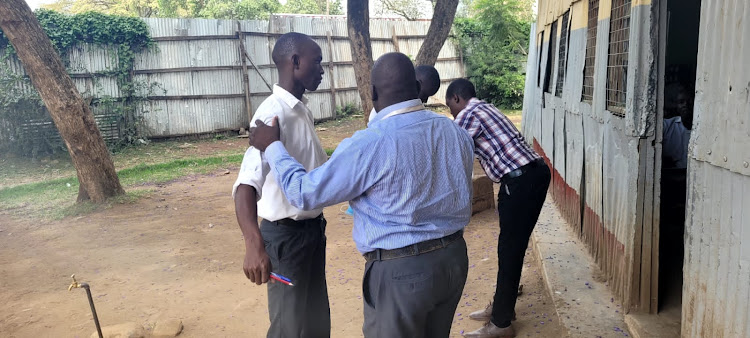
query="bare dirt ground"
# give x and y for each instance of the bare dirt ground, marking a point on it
(177, 253)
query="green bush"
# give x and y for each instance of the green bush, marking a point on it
(494, 42)
(347, 110)
(25, 123)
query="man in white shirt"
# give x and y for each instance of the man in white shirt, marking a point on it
(676, 131)
(289, 241)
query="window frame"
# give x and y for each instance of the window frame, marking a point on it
(589, 71)
(617, 57)
(562, 53)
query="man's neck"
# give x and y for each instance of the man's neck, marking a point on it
(292, 87)
(383, 103)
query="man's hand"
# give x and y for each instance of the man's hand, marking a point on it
(263, 135)
(257, 265)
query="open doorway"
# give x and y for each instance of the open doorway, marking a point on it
(680, 54)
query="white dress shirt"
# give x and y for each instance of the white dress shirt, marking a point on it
(675, 142)
(372, 115)
(299, 138)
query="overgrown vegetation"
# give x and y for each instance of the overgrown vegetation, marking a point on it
(347, 110)
(21, 110)
(494, 39)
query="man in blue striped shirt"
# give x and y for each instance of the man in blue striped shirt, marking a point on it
(408, 179)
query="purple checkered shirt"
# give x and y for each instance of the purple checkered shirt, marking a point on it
(499, 146)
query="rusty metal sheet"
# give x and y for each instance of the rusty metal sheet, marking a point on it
(216, 82)
(722, 101)
(620, 159)
(160, 27)
(716, 286)
(189, 53)
(574, 148)
(166, 118)
(559, 156)
(593, 182)
(716, 290)
(640, 103)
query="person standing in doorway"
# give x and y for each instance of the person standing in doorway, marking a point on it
(524, 178)
(289, 241)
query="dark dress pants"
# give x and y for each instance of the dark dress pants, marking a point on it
(519, 203)
(414, 296)
(299, 253)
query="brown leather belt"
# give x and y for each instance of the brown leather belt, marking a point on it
(414, 249)
(304, 222)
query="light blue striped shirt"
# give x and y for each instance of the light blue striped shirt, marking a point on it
(407, 177)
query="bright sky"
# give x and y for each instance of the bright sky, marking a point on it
(34, 4)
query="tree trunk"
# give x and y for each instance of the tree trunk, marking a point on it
(440, 27)
(72, 116)
(358, 22)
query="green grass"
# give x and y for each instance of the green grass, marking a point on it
(15, 170)
(511, 112)
(162, 172)
(56, 198)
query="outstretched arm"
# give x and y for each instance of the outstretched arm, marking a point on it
(345, 176)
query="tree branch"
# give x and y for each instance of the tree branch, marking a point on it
(440, 27)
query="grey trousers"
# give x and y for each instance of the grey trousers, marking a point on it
(299, 253)
(414, 296)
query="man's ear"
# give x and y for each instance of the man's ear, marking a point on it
(419, 87)
(295, 61)
(374, 93)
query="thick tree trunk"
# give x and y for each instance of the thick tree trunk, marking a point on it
(358, 22)
(72, 116)
(440, 27)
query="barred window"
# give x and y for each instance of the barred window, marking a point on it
(539, 67)
(562, 54)
(617, 63)
(588, 68)
(551, 52)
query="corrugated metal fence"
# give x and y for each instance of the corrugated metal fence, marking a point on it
(197, 67)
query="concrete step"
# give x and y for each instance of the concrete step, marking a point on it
(582, 300)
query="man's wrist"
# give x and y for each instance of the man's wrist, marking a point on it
(273, 149)
(253, 238)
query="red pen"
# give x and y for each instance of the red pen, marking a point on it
(280, 279)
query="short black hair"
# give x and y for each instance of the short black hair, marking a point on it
(462, 88)
(430, 79)
(287, 45)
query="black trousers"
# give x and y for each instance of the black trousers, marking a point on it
(519, 203)
(415, 296)
(298, 252)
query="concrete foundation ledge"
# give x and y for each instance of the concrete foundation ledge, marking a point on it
(583, 302)
(643, 325)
